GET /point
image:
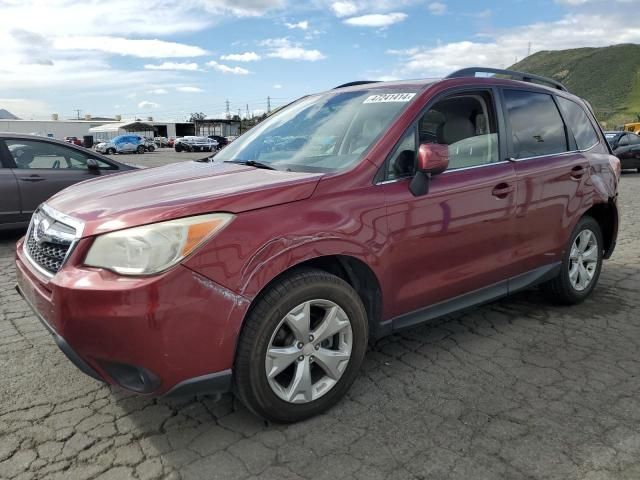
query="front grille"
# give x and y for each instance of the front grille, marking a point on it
(48, 241)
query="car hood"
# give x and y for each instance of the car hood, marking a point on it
(183, 189)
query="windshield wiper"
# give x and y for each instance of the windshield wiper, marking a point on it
(252, 163)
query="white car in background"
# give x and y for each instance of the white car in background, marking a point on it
(195, 144)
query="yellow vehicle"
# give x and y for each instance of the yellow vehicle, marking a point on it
(632, 127)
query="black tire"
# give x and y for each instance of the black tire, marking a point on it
(250, 379)
(140, 149)
(151, 149)
(178, 148)
(560, 290)
(111, 151)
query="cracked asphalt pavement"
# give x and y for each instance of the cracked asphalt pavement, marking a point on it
(517, 389)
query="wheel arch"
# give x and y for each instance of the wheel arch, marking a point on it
(606, 214)
(353, 271)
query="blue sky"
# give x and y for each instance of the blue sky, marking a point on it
(167, 58)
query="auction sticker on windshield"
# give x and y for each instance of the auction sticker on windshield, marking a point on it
(390, 98)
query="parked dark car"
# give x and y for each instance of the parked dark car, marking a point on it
(346, 216)
(222, 141)
(626, 146)
(35, 168)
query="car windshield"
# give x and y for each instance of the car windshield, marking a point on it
(320, 133)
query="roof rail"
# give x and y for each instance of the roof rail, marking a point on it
(353, 84)
(523, 77)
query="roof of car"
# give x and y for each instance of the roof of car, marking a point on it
(466, 75)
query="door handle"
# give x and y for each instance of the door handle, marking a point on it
(577, 172)
(32, 178)
(502, 190)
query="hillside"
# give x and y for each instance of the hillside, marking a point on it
(7, 115)
(608, 77)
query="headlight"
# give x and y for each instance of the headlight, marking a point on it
(153, 248)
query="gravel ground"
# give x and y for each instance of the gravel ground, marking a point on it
(514, 390)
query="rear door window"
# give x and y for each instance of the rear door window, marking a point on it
(579, 124)
(536, 126)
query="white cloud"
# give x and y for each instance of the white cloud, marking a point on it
(378, 20)
(226, 69)
(147, 105)
(348, 8)
(344, 9)
(158, 91)
(67, 45)
(127, 47)
(302, 25)
(501, 48)
(437, 8)
(188, 89)
(285, 49)
(192, 66)
(241, 57)
(277, 86)
(242, 8)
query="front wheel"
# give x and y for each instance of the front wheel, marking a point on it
(301, 346)
(140, 149)
(111, 151)
(581, 265)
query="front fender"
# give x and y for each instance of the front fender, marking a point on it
(284, 253)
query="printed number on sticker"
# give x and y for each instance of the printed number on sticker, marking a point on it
(390, 97)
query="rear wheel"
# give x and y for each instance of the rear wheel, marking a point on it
(178, 148)
(140, 149)
(151, 148)
(301, 346)
(581, 265)
(111, 151)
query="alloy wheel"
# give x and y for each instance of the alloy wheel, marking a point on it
(583, 260)
(309, 351)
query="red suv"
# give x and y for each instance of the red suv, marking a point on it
(342, 218)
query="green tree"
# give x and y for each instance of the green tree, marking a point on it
(197, 116)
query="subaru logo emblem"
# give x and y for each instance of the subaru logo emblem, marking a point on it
(41, 230)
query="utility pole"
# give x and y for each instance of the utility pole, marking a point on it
(228, 112)
(77, 113)
(268, 105)
(247, 114)
(529, 49)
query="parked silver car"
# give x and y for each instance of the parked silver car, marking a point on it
(195, 144)
(32, 169)
(128, 143)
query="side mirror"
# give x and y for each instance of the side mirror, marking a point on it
(93, 166)
(433, 158)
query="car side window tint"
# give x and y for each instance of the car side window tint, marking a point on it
(624, 141)
(579, 123)
(37, 154)
(467, 124)
(537, 128)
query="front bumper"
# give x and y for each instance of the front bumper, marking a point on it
(172, 333)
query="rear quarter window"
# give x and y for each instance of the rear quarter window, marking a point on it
(579, 124)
